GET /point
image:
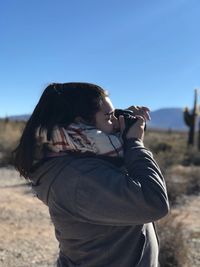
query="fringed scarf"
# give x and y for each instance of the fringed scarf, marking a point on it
(78, 137)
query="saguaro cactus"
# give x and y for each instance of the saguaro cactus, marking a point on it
(190, 119)
(199, 137)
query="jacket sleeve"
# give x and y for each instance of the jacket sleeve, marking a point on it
(106, 195)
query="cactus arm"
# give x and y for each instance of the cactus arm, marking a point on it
(188, 117)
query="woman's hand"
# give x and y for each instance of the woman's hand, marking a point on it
(136, 130)
(141, 111)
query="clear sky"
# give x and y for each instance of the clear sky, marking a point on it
(144, 52)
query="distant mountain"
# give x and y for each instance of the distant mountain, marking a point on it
(24, 117)
(164, 119)
(168, 118)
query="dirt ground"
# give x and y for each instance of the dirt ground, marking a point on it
(26, 232)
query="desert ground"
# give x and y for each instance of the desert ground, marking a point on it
(26, 232)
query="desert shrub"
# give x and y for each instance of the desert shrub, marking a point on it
(6, 120)
(161, 147)
(6, 158)
(182, 180)
(172, 248)
(191, 157)
(168, 147)
(10, 133)
(179, 235)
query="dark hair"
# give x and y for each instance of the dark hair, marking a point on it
(59, 105)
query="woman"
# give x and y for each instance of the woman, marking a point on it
(103, 192)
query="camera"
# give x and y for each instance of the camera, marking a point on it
(129, 117)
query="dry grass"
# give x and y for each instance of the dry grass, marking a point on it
(169, 148)
(180, 235)
(10, 132)
(181, 181)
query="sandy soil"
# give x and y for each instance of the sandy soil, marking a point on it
(26, 232)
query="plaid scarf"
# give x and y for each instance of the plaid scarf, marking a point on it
(79, 137)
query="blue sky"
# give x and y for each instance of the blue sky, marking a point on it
(144, 52)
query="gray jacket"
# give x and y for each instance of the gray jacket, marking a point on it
(102, 214)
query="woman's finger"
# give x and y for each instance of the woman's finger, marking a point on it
(141, 110)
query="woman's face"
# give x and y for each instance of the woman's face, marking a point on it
(105, 119)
